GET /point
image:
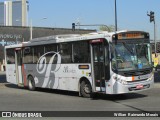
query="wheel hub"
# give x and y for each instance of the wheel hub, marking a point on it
(87, 89)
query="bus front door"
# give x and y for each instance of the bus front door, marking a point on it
(18, 58)
(98, 66)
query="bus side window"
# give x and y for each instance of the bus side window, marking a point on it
(51, 48)
(65, 50)
(106, 55)
(10, 56)
(28, 55)
(81, 52)
(38, 52)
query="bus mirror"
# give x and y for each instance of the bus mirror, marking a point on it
(116, 38)
(112, 48)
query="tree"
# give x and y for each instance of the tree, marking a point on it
(104, 28)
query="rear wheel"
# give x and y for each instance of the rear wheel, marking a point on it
(31, 84)
(85, 89)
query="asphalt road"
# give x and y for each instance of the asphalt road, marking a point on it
(13, 98)
(19, 99)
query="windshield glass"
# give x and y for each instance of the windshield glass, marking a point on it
(131, 56)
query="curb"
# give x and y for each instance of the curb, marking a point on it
(156, 85)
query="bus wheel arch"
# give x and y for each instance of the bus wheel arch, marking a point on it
(31, 83)
(85, 88)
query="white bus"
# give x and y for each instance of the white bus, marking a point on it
(102, 62)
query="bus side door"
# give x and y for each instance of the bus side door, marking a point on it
(18, 63)
(98, 64)
(10, 66)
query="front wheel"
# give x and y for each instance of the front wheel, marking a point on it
(85, 89)
(31, 84)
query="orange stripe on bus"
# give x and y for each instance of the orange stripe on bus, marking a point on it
(24, 76)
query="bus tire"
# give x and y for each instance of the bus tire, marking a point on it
(31, 84)
(85, 89)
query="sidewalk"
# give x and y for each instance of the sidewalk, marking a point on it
(2, 72)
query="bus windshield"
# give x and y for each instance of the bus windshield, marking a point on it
(131, 56)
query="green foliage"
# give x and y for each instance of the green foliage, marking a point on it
(110, 28)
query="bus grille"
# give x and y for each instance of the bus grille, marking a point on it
(135, 88)
(136, 81)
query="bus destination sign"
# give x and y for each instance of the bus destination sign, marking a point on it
(134, 35)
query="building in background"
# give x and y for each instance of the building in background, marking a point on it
(14, 13)
(8, 13)
(2, 14)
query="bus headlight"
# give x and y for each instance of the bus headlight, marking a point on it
(118, 79)
(122, 81)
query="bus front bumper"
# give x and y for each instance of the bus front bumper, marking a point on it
(119, 88)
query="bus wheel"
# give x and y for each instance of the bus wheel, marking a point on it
(31, 84)
(85, 89)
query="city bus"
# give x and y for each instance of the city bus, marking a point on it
(102, 62)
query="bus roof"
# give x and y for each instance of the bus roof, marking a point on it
(69, 38)
(66, 38)
(14, 46)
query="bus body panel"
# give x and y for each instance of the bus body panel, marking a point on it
(11, 73)
(58, 76)
(67, 75)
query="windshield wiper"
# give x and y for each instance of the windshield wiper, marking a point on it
(128, 48)
(142, 45)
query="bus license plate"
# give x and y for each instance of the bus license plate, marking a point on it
(139, 86)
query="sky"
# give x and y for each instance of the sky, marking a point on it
(131, 14)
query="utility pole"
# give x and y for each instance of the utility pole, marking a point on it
(115, 15)
(31, 30)
(152, 19)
